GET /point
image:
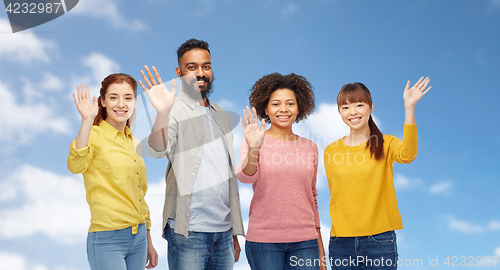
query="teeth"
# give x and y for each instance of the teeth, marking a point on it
(283, 117)
(355, 119)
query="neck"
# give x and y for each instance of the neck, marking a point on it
(358, 136)
(285, 134)
(118, 126)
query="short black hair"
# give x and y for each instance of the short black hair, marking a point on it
(189, 45)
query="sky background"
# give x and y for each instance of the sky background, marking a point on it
(448, 197)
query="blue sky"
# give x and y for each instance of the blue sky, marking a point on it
(448, 197)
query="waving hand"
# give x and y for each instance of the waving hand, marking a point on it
(160, 97)
(253, 134)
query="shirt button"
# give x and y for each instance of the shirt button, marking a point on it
(137, 172)
(129, 149)
(201, 134)
(193, 173)
(188, 215)
(189, 194)
(139, 199)
(123, 138)
(135, 160)
(199, 155)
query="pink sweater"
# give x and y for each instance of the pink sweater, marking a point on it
(284, 206)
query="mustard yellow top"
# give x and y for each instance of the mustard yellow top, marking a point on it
(115, 179)
(362, 196)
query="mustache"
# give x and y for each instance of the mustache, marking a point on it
(205, 79)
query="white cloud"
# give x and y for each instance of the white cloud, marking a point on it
(24, 47)
(497, 251)
(246, 194)
(404, 183)
(22, 122)
(52, 204)
(12, 261)
(289, 10)
(51, 82)
(155, 198)
(441, 188)
(108, 10)
(100, 67)
(472, 228)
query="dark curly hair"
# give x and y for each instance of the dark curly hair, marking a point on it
(262, 89)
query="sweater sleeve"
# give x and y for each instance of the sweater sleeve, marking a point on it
(315, 191)
(405, 151)
(247, 179)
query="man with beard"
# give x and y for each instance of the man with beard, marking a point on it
(202, 214)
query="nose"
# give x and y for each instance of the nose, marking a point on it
(200, 72)
(283, 107)
(121, 102)
(352, 110)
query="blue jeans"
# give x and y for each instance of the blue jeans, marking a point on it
(200, 250)
(365, 252)
(277, 256)
(118, 249)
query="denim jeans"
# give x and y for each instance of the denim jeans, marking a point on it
(200, 250)
(277, 256)
(366, 252)
(118, 249)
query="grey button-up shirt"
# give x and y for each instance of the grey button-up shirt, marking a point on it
(184, 151)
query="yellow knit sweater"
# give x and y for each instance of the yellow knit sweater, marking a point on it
(362, 196)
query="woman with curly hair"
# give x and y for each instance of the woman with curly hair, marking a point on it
(283, 228)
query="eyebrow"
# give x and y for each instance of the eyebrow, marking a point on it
(193, 63)
(285, 100)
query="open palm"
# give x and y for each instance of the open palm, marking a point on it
(412, 95)
(254, 135)
(86, 108)
(160, 97)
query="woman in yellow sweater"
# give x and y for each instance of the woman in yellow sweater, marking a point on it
(363, 205)
(114, 175)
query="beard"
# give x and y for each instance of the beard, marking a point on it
(192, 89)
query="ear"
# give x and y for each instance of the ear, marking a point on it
(102, 102)
(178, 72)
(373, 105)
(265, 111)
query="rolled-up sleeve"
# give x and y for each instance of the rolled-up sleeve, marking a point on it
(79, 159)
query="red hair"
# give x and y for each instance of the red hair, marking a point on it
(118, 78)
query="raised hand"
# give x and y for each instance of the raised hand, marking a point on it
(86, 108)
(416, 92)
(253, 134)
(160, 97)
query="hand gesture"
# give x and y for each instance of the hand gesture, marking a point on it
(160, 97)
(253, 134)
(414, 94)
(86, 108)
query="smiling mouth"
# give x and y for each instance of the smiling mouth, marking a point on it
(120, 112)
(355, 120)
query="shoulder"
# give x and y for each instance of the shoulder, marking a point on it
(307, 143)
(336, 144)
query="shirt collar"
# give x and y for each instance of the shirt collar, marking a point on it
(192, 103)
(113, 132)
